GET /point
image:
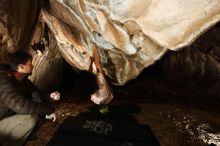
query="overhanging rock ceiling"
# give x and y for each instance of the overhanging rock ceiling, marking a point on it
(130, 34)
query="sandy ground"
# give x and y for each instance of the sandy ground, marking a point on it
(175, 120)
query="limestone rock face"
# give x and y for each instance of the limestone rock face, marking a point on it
(130, 34)
(17, 22)
(20, 27)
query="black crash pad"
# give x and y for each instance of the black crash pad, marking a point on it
(89, 129)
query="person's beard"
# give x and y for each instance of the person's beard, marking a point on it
(29, 74)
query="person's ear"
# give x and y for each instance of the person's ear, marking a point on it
(20, 67)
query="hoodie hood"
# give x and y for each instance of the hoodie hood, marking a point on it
(4, 68)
